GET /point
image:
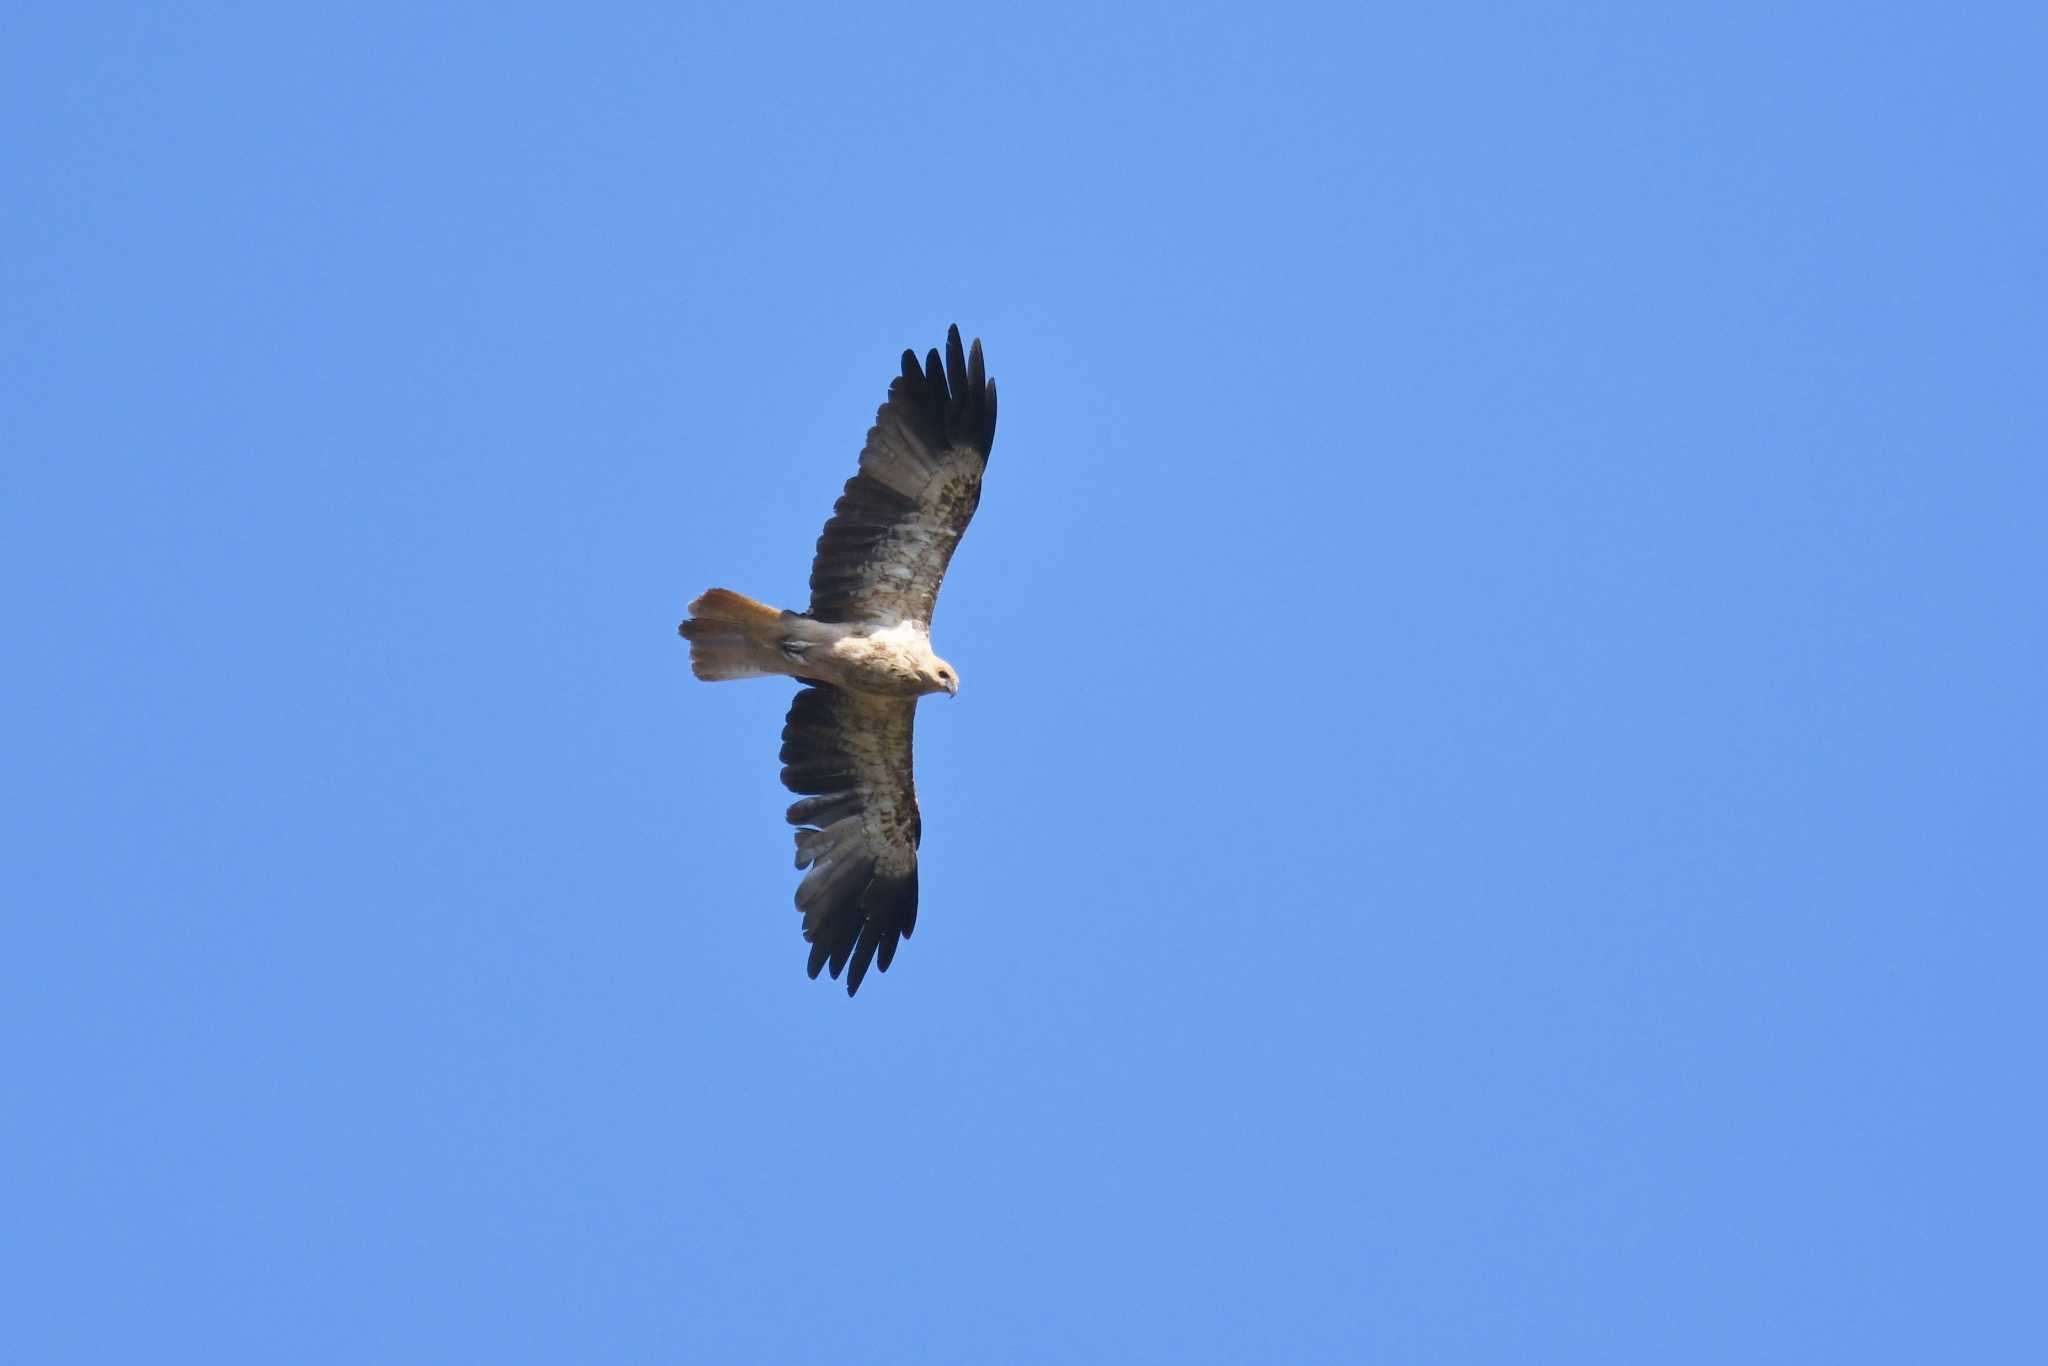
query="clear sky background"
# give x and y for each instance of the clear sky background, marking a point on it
(1496, 807)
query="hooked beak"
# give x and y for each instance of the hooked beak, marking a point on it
(953, 689)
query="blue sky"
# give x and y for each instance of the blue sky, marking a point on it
(1495, 808)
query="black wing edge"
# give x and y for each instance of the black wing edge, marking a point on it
(854, 914)
(952, 402)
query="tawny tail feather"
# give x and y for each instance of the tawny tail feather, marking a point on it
(733, 636)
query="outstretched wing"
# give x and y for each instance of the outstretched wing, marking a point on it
(849, 754)
(893, 530)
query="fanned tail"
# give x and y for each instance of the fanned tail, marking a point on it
(733, 636)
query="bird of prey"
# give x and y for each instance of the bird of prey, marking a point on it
(863, 651)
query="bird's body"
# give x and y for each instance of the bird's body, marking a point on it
(733, 636)
(893, 661)
(864, 650)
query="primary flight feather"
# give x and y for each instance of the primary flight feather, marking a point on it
(863, 650)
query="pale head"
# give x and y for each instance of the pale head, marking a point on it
(939, 676)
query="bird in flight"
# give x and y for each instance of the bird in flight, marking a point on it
(863, 651)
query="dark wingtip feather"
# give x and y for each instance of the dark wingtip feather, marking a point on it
(863, 954)
(971, 405)
(956, 364)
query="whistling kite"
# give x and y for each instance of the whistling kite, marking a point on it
(863, 650)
